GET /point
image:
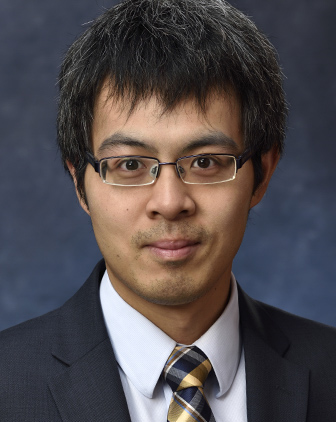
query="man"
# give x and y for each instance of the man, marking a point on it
(171, 123)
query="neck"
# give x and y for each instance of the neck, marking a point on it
(187, 323)
(183, 323)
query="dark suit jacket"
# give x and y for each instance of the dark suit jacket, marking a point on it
(61, 366)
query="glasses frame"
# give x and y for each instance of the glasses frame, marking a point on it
(96, 164)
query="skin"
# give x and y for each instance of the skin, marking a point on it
(169, 246)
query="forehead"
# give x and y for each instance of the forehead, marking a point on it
(150, 126)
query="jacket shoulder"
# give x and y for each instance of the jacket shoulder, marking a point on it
(37, 351)
(308, 343)
(301, 330)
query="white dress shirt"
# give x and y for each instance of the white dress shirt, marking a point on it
(142, 349)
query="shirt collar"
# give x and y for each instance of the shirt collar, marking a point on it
(222, 342)
(130, 331)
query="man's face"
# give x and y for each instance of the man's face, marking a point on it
(169, 243)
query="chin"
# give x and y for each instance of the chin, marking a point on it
(168, 293)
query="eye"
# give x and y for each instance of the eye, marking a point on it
(131, 164)
(203, 162)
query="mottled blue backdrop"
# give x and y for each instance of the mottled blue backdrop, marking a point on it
(47, 249)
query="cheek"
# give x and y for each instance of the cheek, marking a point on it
(228, 217)
(113, 214)
(230, 208)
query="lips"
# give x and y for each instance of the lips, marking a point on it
(173, 249)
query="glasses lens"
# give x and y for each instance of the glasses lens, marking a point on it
(207, 169)
(129, 171)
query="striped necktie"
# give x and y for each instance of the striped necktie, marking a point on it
(186, 371)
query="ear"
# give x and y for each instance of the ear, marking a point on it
(81, 200)
(269, 161)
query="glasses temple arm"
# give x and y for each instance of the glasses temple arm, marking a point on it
(243, 158)
(95, 164)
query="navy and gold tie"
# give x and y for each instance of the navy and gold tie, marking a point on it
(186, 371)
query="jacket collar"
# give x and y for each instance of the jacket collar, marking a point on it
(87, 386)
(276, 389)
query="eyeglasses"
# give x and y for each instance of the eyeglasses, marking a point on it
(136, 170)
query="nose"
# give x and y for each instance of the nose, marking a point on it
(170, 197)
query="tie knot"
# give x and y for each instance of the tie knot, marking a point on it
(186, 367)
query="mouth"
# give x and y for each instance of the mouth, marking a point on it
(169, 249)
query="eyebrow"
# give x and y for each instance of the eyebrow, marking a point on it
(119, 139)
(210, 139)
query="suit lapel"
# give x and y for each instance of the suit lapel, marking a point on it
(90, 389)
(277, 389)
(87, 386)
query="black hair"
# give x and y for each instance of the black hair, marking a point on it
(175, 50)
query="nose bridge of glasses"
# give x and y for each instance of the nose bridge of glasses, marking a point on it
(169, 164)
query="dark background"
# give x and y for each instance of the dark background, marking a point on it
(47, 247)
